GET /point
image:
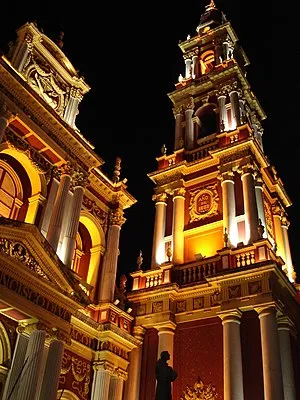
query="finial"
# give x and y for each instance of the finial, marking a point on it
(139, 260)
(163, 150)
(59, 40)
(211, 6)
(116, 175)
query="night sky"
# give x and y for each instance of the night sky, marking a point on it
(129, 55)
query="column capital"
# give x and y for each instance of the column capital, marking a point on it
(166, 327)
(79, 178)
(268, 309)
(139, 332)
(230, 316)
(65, 169)
(226, 176)
(284, 222)
(179, 192)
(177, 110)
(103, 366)
(189, 105)
(284, 323)
(247, 169)
(116, 217)
(160, 198)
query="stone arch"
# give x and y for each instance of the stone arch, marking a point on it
(207, 117)
(5, 348)
(37, 180)
(93, 226)
(66, 395)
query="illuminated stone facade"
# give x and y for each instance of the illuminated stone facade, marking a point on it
(222, 298)
(61, 333)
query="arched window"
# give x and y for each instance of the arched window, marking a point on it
(11, 193)
(207, 61)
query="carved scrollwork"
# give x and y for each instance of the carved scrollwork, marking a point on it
(19, 251)
(116, 217)
(199, 391)
(160, 198)
(204, 203)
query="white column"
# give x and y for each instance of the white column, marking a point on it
(277, 212)
(235, 109)
(189, 129)
(115, 388)
(178, 130)
(223, 113)
(166, 340)
(109, 269)
(188, 63)
(288, 258)
(250, 207)
(158, 248)
(272, 373)
(132, 385)
(288, 375)
(178, 226)
(55, 224)
(260, 203)
(69, 241)
(229, 220)
(52, 370)
(31, 372)
(13, 378)
(71, 110)
(232, 356)
(49, 206)
(101, 381)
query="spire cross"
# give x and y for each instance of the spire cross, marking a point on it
(211, 6)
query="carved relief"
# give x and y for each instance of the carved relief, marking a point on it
(157, 306)
(92, 207)
(181, 306)
(199, 391)
(204, 203)
(234, 291)
(198, 302)
(46, 83)
(254, 287)
(116, 217)
(77, 372)
(19, 251)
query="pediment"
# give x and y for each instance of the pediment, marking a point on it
(32, 256)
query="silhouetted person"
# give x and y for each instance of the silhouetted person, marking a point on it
(165, 375)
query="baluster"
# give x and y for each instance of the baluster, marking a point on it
(184, 276)
(252, 257)
(238, 261)
(147, 282)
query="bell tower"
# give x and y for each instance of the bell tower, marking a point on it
(224, 190)
(221, 281)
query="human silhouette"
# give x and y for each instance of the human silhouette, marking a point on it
(165, 375)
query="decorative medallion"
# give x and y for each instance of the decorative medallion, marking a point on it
(234, 291)
(254, 287)
(204, 203)
(181, 306)
(198, 303)
(141, 309)
(199, 391)
(157, 306)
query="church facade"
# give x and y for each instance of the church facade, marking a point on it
(61, 335)
(221, 294)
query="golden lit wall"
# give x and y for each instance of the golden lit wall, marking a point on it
(206, 242)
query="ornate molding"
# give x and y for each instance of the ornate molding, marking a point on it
(19, 252)
(116, 217)
(204, 203)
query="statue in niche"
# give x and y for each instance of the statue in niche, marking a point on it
(165, 375)
(260, 229)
